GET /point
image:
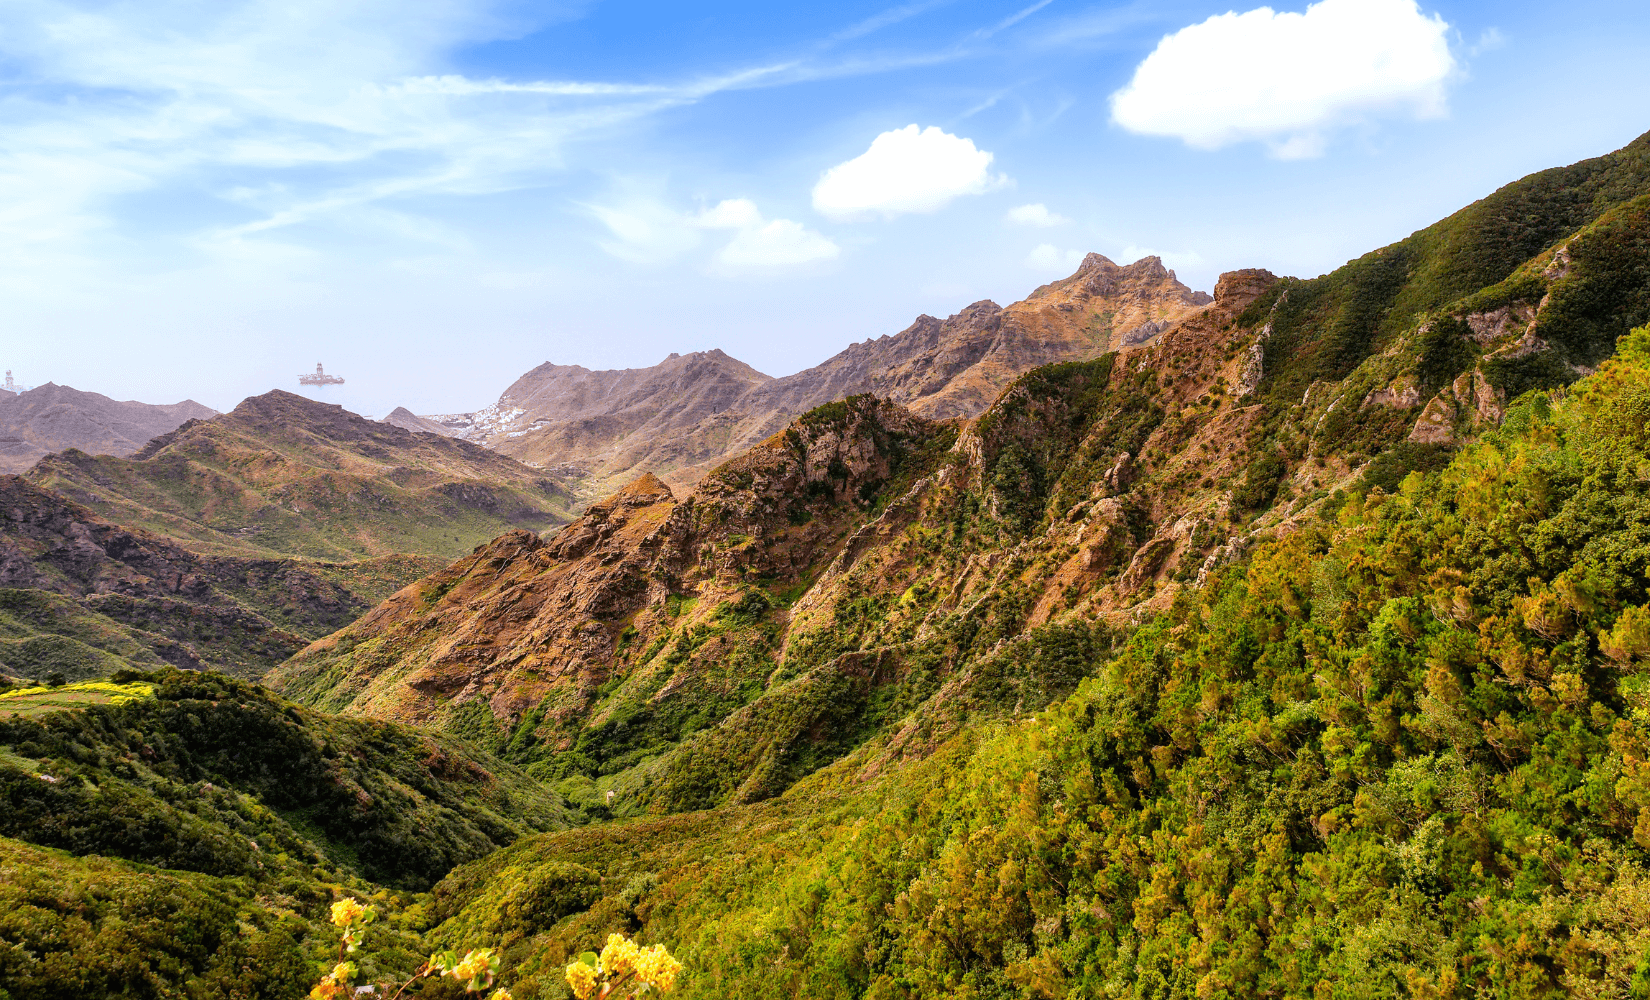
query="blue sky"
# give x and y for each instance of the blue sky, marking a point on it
(204, 198)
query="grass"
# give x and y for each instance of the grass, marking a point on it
(41, 699)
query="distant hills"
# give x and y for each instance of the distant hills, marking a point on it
(82, 597)
(282, 475)
(52, 418)
(681, 417)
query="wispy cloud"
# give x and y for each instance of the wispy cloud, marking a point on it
(1012, 19)
(891, 16)
(296, 110)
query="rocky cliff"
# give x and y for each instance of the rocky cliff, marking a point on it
(683, 416)
(52, 418)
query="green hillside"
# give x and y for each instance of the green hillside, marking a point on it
(1399, 752)
(1324, 327)
(82, 597)
(184, 833)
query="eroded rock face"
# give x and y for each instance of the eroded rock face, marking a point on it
(524, 621)
(1400, 394)
(687, 414)
(1467, 405)
(1488, 327)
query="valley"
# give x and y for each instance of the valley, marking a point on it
(1289, 640)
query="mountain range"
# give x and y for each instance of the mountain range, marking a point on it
(681, 417)
(1293, 644)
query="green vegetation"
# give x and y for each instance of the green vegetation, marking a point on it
(1398, 753)
(1323, 328)
(214, 775)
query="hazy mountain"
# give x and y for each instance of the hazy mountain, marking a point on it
(681, 417)
(287, 476)
(52, 418)
(410, 421)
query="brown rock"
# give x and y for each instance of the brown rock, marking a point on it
(690, 412)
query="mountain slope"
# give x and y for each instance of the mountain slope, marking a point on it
(52, 418)
(585, 639)
(852, 569)
(786, 598)
(82, 597)
(1399, 752)
(282, 475)
(188, 836)
(683, 416)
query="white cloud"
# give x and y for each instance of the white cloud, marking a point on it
(905, 170)
(761, 245)
(1047, 257)
(645, 231)
(1036, 214)
(1287, 79)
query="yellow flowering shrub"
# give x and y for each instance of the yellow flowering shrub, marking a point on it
(623, 969)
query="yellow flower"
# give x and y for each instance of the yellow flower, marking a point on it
(346, 911)
(619, 957)
(657, 968)
(341, 973)
(582, 978)
(501, 995)
(473, 964)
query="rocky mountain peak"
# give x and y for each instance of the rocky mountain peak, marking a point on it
(1248, 283)
(641, 491)
(692, 411)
